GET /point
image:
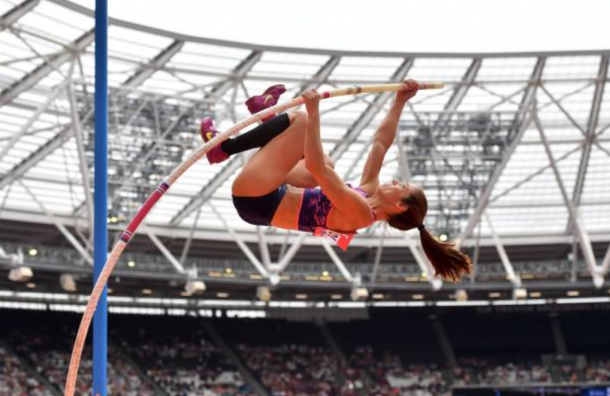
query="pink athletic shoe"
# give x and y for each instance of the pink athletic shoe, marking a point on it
(208, 132)
(268, 99)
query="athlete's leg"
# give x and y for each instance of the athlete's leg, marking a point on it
(299, 176)
(254, 138)
(269, 167)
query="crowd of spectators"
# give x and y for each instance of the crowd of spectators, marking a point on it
(294, 370)
(187, 365)
(597, 370)
(390, 376)
(50, 356)
(187, 362)
(568, 373)
(488, 372)
(14, 379)
(514, 373)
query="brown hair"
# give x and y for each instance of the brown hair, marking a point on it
(448, 262)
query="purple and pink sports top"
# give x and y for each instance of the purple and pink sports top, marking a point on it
(316, 207)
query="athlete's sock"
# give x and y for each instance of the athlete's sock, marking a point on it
(257, 137)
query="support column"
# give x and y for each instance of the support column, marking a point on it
(583, 236)
(100, 241)
(558, 338)
(330, 340)
(140, 372)
(521, 123)
(250, 378)
(508, 267)
(446, 346)
(8, 19)
(339, 353)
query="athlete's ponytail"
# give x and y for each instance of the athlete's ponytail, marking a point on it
(448, 263)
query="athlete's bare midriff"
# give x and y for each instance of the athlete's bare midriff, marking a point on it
(287, 214)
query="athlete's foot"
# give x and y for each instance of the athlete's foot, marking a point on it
(208, 132)
(268, 99)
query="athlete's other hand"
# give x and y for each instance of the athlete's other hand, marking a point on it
(312, 101)
(409, 90)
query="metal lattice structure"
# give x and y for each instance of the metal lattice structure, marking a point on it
(515, 152)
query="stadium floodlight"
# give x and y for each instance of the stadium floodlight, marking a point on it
(274, 279)
(67, 282)
(598, 281)
(360, 293)
(263, 293)
(20, 274)
(436, 284)
(194, 287)
(461, 295)
(519, 293)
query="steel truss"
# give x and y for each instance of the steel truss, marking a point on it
(459, 153)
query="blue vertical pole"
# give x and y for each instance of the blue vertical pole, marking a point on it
(100, 319)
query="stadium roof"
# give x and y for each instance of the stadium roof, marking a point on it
(477, 147)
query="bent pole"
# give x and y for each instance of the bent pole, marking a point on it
(129, 232)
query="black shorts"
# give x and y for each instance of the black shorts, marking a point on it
(259, 210)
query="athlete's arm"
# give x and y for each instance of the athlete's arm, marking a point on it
(343, 198)
(384, 138)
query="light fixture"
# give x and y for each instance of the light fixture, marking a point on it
(494, 295)
(67, 282)
(33, 252)
(194, 287)
(274, 279)
(222, 295)
(263, 293)
(147, 291)
(573, 293)
(20, 274)
(359, 293)
(461, 295)
(417, 296)
(325, 274)
(336, 296)
(301, 296)
(31, 285)
(519, 293)
(131, 264)
(378, 296)
(535, 294)
(443, 237)
(229, 271)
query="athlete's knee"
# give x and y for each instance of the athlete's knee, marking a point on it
(297, 117)
(329, 161)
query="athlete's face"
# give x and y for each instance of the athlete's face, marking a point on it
(395, 192)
